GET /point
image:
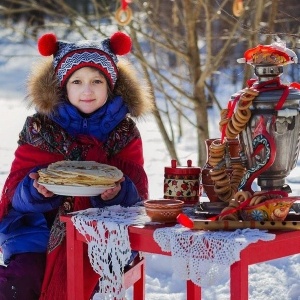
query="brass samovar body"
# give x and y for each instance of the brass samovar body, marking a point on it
(282, 126)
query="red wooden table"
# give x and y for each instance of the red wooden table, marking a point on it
(141, 239)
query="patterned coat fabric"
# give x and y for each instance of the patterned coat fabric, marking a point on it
(58, 132)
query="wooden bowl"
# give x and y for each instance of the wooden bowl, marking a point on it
(163, 211)
(269, 210)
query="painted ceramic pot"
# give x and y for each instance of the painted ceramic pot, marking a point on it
(182, 183)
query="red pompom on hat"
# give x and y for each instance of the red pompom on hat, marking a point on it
(47, 44)
(120, 43)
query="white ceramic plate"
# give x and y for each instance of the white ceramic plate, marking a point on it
(68, 190)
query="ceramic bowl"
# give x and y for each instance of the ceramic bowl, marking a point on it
(269, 210)
(163, 211)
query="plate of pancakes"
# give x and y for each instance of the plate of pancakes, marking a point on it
(79, 178)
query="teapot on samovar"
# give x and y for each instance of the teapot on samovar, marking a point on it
(265, 118)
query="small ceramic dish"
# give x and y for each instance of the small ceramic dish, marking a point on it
(163, 211)
(269, 210)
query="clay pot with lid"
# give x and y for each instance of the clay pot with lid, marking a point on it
(183, 183)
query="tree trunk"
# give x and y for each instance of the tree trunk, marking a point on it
(200, 101)
(253, 40)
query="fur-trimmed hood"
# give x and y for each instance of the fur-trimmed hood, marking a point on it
(45, 94)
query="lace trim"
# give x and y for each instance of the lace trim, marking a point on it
(108, 243)
(204, 257)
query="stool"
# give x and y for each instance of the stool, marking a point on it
(134, 275)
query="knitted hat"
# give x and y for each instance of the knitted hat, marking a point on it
(69, 57)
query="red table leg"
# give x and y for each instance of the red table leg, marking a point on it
(74, 264)
(193, 291)
(136, 277)
(239, 280)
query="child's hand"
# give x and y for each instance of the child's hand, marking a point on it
(41, 189)
(111, 193)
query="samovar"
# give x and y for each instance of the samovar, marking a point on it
(271, 138)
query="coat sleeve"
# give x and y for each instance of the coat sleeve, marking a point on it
(26, 158)
(27, 199)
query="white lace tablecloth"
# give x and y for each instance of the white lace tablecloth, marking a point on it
(203, 256)
(200, 256)
(108, 244)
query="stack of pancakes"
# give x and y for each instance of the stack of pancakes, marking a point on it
(79, 173)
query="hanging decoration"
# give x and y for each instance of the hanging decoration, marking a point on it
(123, 14)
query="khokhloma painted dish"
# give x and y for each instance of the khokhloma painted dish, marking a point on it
(269, 210)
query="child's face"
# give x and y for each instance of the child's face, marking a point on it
(87, 89)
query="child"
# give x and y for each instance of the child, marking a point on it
(82, 97)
